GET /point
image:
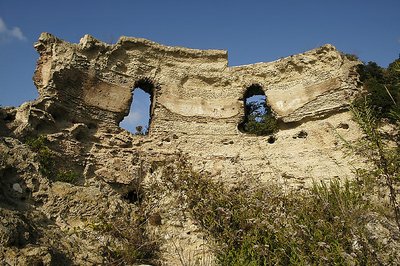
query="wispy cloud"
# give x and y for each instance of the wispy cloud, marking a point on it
(133, 120)
(9, 34)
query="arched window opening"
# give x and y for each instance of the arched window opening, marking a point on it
(259, 119)
(139, 117)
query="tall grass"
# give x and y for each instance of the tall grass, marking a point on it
(254, 224)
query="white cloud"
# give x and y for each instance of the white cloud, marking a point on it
(133, 118)
(7, 34)
(17, 33)
(3, 27)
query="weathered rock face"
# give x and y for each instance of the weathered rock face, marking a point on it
(85, 90)
(197, 105)
(190, 88)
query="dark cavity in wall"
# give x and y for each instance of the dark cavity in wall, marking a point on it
(139, 117)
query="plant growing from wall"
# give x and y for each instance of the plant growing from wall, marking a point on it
(259, 119)
(129, 244)
(47, 161)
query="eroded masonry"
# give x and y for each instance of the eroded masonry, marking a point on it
(197, 105)
(93, 81)
(197, 100)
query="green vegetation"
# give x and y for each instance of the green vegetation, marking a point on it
(261, 121)
(47, 161)
(254, 224)
(378, 147)
(129, 243)
(67, 176)
(44, 155)
(382, 88)
(351, 57)
(381, 148)
(3, 158)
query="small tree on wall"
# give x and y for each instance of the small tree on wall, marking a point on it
(260, 121)
(259, 118)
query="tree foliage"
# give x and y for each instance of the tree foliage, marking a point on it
(260, 120)
(381, 148)
(382, 87)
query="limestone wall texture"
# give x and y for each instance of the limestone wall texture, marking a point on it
(194, 91)
(197, 104)
(85, 90)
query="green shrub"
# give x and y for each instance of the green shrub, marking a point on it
(382, 87)
(3, 159)
(260, 120)
(67, 176)
(351, 57)
(380, 148)
(47, 161)
(44, 154)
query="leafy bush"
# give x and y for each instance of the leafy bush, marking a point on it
(3, 158)
(66, 176)
(260, 120)
(351, 57)
(382, 86)
(44, 155)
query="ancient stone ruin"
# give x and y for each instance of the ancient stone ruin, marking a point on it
(197, 105)
(197, 101)
(93, 81)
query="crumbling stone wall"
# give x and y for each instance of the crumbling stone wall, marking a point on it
(193, 92)
(85, 90)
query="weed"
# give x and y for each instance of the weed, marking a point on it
(67, 176)
(44, 154)
(3, 159)
(254, 224)
(351, 57)
(129, 244)
(377, 149)
(47, 161)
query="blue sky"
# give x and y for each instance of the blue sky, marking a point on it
(251, 31)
